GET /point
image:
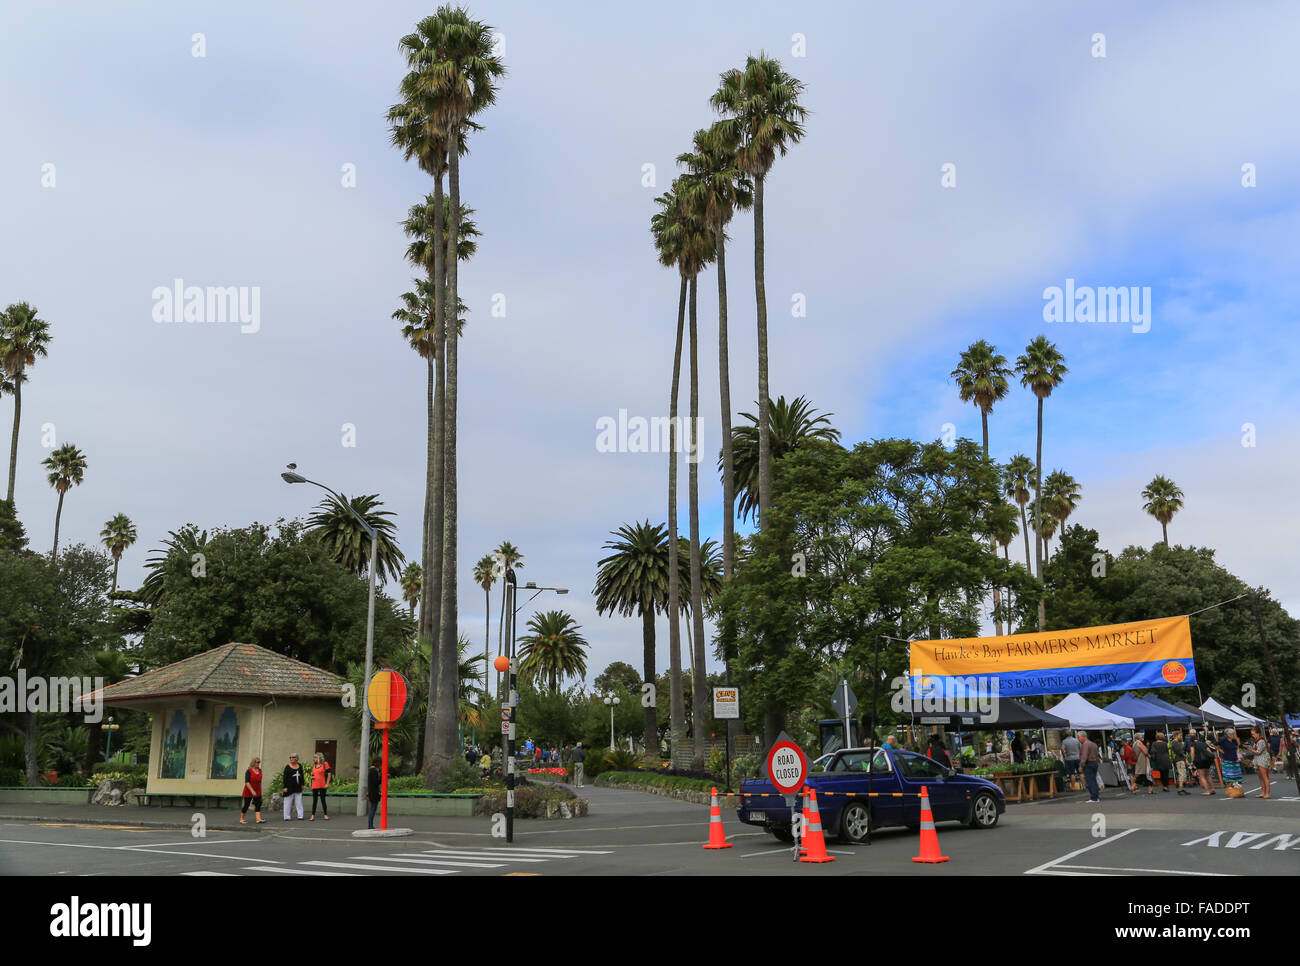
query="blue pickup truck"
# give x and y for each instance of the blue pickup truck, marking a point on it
(845, 779)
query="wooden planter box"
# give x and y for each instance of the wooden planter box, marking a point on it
(1027, 786)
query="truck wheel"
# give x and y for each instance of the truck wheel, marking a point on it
(782, 834)
(854, 822)
(983, 811)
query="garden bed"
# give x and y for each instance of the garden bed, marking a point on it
(46, 795)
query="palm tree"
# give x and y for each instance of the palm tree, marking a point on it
(346, 542)
(1163, 499)
(67, 466)
(485, 576)
(511, 559)
(1041, 368)
(1061, 495)
(183, 543)
(118, 534)
(718, 188)
(412, 581)
(981, 377)
(792, 425)
(762, 116)
(553, 649)
(1003, 526)
(634, 580)
(23, 338)
(1047, 528)
(1017, 485)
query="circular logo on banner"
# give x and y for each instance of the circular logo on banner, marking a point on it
(929, 686)
(1173, 672)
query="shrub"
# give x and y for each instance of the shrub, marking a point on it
(11, 778)
(653, 780)
(134, 775)
(622, 760)
(745, 768)
(718, 761)
(530, 801)
(459, 773)
(73, 781)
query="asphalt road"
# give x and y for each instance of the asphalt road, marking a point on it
(632, 833)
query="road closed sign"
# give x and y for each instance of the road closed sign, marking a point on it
(787, 767)
(726, 703)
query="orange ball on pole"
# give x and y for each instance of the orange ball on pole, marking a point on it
(502, 664)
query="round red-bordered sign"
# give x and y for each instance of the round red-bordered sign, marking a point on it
(787, 767)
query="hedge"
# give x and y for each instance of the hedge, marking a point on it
(635, 778)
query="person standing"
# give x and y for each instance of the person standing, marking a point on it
(1178, 751)
(1130, 759)
(373, 783)
(293, 785)
(1090, 761)
(579, 756)
(1202, 761)
(938, 751)
(1017, 748)
(1230, 757)
(1142, 770)
(320, 781)
(252, 792)
(1161, 765)
(1070, 749)
(1261, 761)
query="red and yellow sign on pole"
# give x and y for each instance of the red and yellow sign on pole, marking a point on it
(385, 700)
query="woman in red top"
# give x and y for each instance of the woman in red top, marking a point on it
(253, 792)
(320, 780)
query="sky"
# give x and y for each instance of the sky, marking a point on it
(242, 144)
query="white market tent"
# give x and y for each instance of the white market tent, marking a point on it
(1251, 719)
(1239, 719)
(1083, 714)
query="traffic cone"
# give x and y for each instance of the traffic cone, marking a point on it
(929, 837)
(805, 817)
(814, 842)
(717, 835)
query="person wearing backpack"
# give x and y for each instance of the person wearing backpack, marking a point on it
(1202, 761)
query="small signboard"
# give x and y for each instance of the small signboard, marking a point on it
(787, 766)
(726, 703)
(843, 700)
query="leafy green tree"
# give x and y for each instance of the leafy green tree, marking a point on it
(346, 542)
(23, 339)
(553, 649)
(1163, 499)
(792, 425)
(13, 537)
(67, 468)
(620, 678)
(118, 535)
(412, 580)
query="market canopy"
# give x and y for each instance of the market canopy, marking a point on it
(1144, 714)
(1176, 715)
(1008, 713)
(1223, 711)
(1086, 716)
(1247, 715)
(1208, 717)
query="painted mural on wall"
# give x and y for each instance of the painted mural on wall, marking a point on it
(176, 742)
(225, 745)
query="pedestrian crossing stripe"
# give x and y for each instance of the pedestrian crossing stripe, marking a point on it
(427, 862)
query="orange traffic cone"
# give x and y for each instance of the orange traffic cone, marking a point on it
(929, 837)
(814, 842)
(717, 835)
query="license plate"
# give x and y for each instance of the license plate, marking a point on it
(757, 816)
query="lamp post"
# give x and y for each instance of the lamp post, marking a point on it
(512, 692)
(363, 771)
(612, 700)
(109, 727)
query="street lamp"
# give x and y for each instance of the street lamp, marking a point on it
(110, 727)
(512, 694)
(363, 771)
(612, 700)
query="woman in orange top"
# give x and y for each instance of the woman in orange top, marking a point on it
(252, 792)
(320, 780)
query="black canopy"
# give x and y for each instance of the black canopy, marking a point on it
(1009, 714)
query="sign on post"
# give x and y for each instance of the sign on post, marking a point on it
(726, 703)
(787, 766)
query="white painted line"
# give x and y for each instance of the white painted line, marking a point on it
(1046, 866)
(292, 871)
(786, 850)
(134, 848)
(379, 868)
(209, 873)
(476, 855)
(413, 859)
(1108, 868)
(511, 850)
(158, 845)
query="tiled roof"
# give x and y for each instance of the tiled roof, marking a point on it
(231, 669)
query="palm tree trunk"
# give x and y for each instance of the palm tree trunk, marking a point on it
(445, 721)
(431, 592)
(649, 715)
(698, 681)
(487, 643)
(428, 468)
(764, 407)
(724, 391)
(676, 709)
(1164, 532)
(13, 438)
(1038, 515)
(1024, 529)
(57, 515)
(116, 562)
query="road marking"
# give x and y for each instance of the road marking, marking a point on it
(413, 859)
(209, 873)
(292, 871)
(121, 828)
(565, 852)
(379, 868)
(473, 855)
(136, 848)
(785, 850)
(1047, 866)
(157, 845)
(1107, 868)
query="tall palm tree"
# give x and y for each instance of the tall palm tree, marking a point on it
(23, 338)
(412, 581)
(485, 576)
(512, 559)
(633, 579)
(762, 116)
(792, 424)
(346, 542)
(1047, 529)
(1061, 495)
(183, 543)
(1042, 369)
(1004, 529)
(718, 188)
(118, 535)
(1018, 482)
(981, 377)
(553, 649)
(67, 468)
(1163, 499)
